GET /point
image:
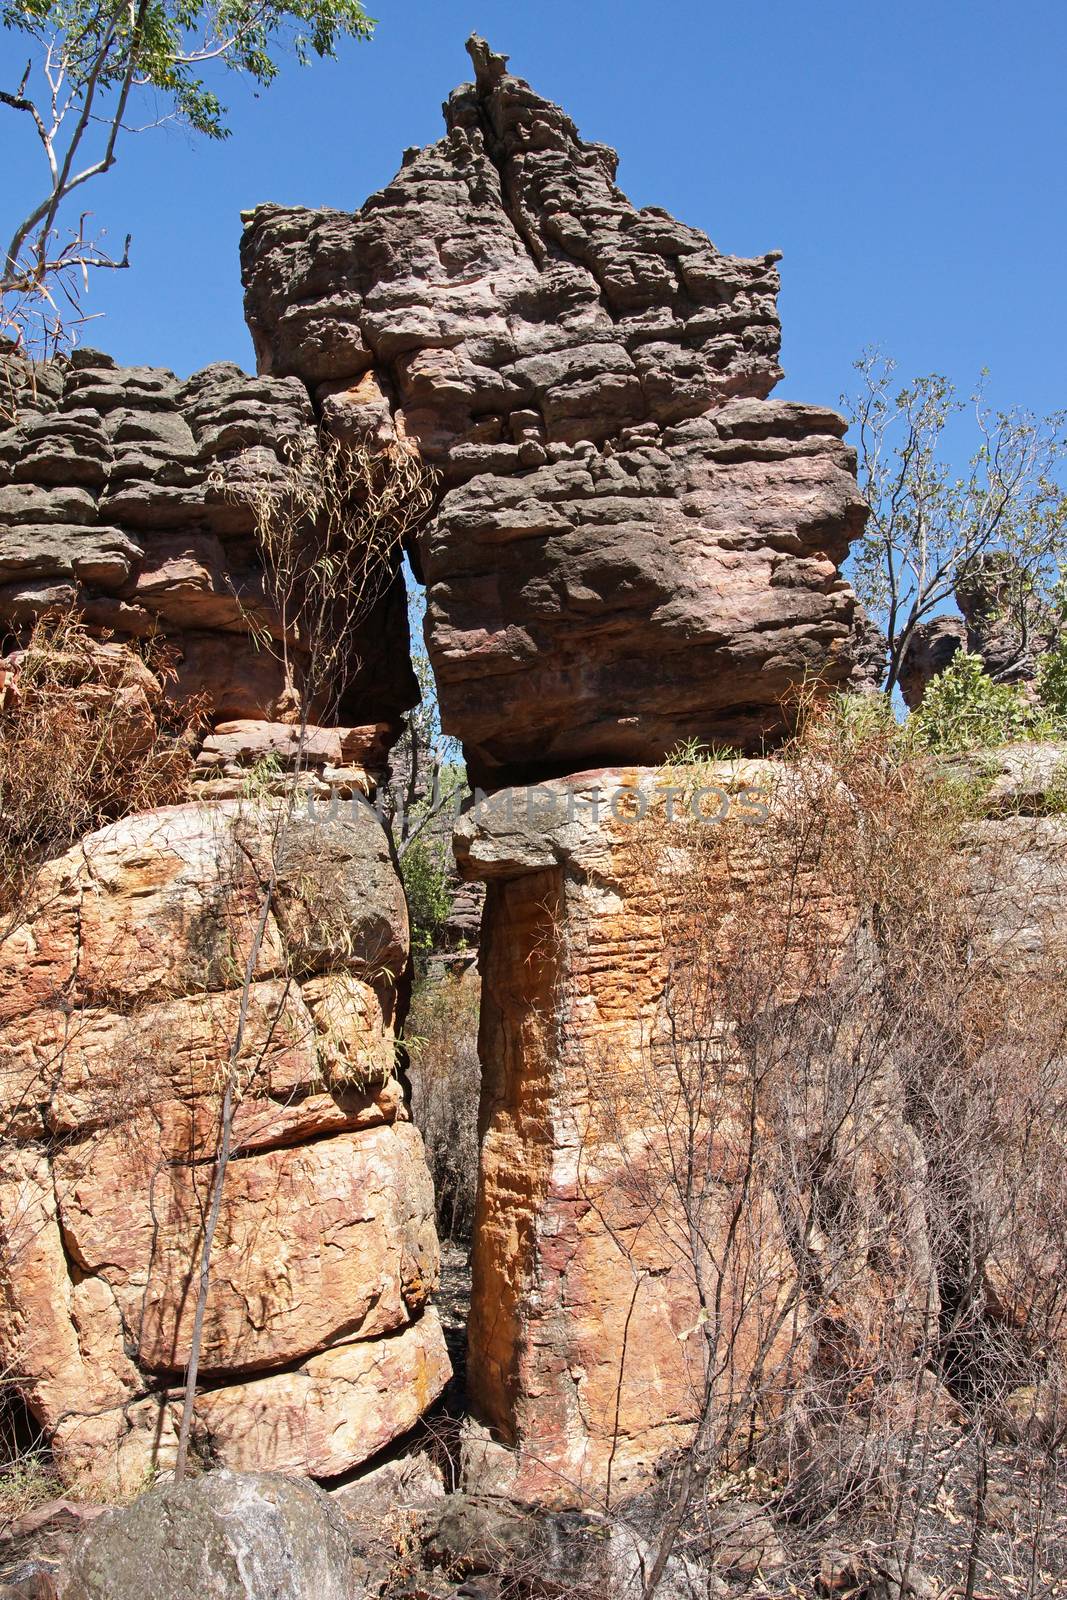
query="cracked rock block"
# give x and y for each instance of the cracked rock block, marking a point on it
(122, 1007)
(632, 1223)
(634, 545)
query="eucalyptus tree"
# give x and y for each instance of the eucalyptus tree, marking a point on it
(934, 529)
(96, 72)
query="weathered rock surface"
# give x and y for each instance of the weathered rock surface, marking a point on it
(1016, 858)
(1017, 854)
(606, 1021)
(571, 1552)
(224, 1536)
(1007, 624)
(869, 654)
(609, 607)
(635, 546)
(120, 999)
(119, 496)
(590, 1297)
(930, 650)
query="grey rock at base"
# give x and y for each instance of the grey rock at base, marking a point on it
(569, 1552)
(224, 1536)
(410, 1483)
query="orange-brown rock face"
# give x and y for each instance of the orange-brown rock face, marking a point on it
(642, 1256)
(120, 999)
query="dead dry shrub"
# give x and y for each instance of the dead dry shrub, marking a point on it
(86, 736)
(330, 527)
(845, 1129)
(441, 1035)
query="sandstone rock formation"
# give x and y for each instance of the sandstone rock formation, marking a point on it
(119, 496)
(1016, 888)
(621, 958)
(120, 997)
(635, 546)
(1007, 624)
(1018, 854)
(693, 1120)
(869, 652)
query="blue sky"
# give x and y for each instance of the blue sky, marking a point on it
(908, 158)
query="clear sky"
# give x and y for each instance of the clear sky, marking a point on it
(908, 158)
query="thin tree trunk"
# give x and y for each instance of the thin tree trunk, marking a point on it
(218, 1181)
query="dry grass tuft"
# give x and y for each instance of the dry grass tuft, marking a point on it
(86, 736)
(442, 1040)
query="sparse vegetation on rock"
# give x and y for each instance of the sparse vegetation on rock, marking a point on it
(753, 1114)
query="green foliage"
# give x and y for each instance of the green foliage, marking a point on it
(1052, 679)
(165, 44)
(262, 777)
(97, 71)
(859, 718)
(964, 709)
(426, 884)
(696, 753)
(1052, 669)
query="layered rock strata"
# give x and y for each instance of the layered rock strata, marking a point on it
(122, 1004)
(634, 546)
(125, 496)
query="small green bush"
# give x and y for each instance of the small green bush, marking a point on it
(429, 896)
(1052, 680)
(963, 708)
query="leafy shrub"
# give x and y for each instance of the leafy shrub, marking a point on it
(429, 895)
(963, 708)
(1052, 679)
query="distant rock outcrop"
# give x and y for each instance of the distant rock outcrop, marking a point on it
(930, 650)
(1008, 623)
(1001, 619)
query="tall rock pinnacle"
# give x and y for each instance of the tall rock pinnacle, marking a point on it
(634, 545)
